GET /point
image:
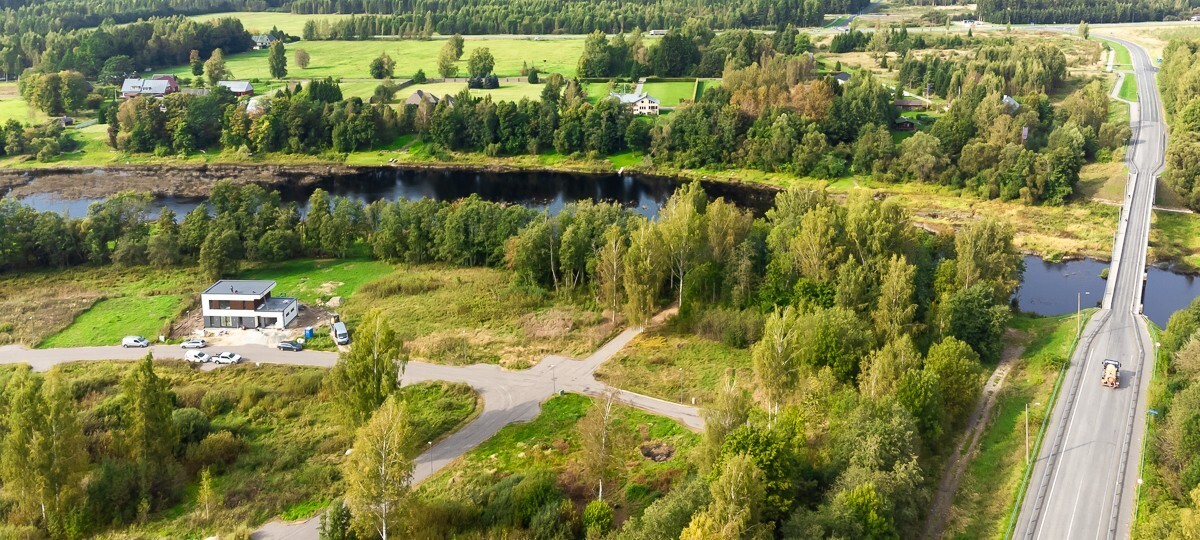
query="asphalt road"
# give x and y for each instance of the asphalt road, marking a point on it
(1085, 478)
(508, 396)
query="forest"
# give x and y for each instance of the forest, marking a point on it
(862, 318)
(1073, 11)
(1180, 88)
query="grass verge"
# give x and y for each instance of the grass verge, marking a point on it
(993, 481)
(1129, 90)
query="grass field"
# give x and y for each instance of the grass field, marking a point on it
(283, 429)
(314, 280)
(506, 92)
(469, 315)
(350, 59)
(657, 362)
(551, 443)
(111, 319)
(262, 22)
(1103, 181)
(669, 94)
(1175, 236)
(989, 487)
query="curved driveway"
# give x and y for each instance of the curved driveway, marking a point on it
(508, 396)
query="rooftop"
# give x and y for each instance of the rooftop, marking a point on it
(252, 287)
(145, 86)
(237, 86)
(276, 303)
(631, 98)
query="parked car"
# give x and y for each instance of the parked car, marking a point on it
(194, 343)
(198, 357)
(294, 346)
(341, 336)
(135, 341)
(227, 358)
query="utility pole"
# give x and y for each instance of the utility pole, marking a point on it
(428, 449)
(680, 385)
(1027, 434)
(553, 381)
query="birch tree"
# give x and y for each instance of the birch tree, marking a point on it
(379, 471)
(775, 357)
(644, 263)
(365, 377)
(681, 227)
(895, 310)
(610, 270)
(599, 441)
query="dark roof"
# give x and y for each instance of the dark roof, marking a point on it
(276, 303)
(841, 76)
(252, 287)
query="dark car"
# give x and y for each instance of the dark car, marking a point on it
(290, 346)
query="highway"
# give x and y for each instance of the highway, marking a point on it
(1085, 477)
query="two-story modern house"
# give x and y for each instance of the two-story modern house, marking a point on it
(241, 303)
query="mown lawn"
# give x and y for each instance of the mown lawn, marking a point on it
(655, 364)
(106, 322)
(990, 484)
(1122, 61)
(318, 280)
(470, 315)
(550, 442)
(350, 59)
(669, 94)
(1129, 90)
(284, 431)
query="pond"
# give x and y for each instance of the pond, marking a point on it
(1052, 288)
(549, 191)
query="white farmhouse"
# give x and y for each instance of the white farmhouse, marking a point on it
(642, 104)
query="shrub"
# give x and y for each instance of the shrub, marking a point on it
(216, 450)
(552, 521)
(534, 492)
(302, 384)
(191, 396)
(191, 424)
(597, 517)
(216, 402)
(731, 327)
(249, 395)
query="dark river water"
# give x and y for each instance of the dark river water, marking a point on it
(549, 191)
(1053, 288)
(1047, 288)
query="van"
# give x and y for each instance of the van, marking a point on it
(340, 335)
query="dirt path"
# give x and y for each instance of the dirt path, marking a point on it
(968, 444)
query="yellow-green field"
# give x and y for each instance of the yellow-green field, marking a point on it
(350, 59)
(262, 22)
(14, 107)
(670, 94)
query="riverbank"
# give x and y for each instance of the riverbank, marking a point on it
(1084, 228)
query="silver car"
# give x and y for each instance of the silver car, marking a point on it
(198, 357)
(194, 343)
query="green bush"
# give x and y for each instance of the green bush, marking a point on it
(552, 521)
(191, 424)
(190, 396)
(597, 517)
(216, 450)
(216, 402)
(731, 327)
(535, 491)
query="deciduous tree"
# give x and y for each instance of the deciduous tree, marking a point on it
(379, 470)
(364, 377)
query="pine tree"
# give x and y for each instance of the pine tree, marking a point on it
(149, 434)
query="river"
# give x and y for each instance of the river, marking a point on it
(1047, 288)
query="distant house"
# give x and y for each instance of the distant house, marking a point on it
(246, 303)
(657, 32)
(66, 121)
(905, 124)
(642, 104)
(910, 104)
(422, 96)
(1011, 104)
(156, 86)
(239, 88)
(262, 41)
(842, 77)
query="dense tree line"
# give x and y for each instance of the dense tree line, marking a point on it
(1181, 98)
(862, 328)
(1059, 12)
(46, 16)
(413, 18)
(112, 52)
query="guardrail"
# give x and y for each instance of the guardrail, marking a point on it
(1037, 445)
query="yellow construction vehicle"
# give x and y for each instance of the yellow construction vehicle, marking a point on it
(1112, 373)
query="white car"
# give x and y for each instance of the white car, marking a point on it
(227, 358)
(198, 357)
(194, 343)
(135, 341)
